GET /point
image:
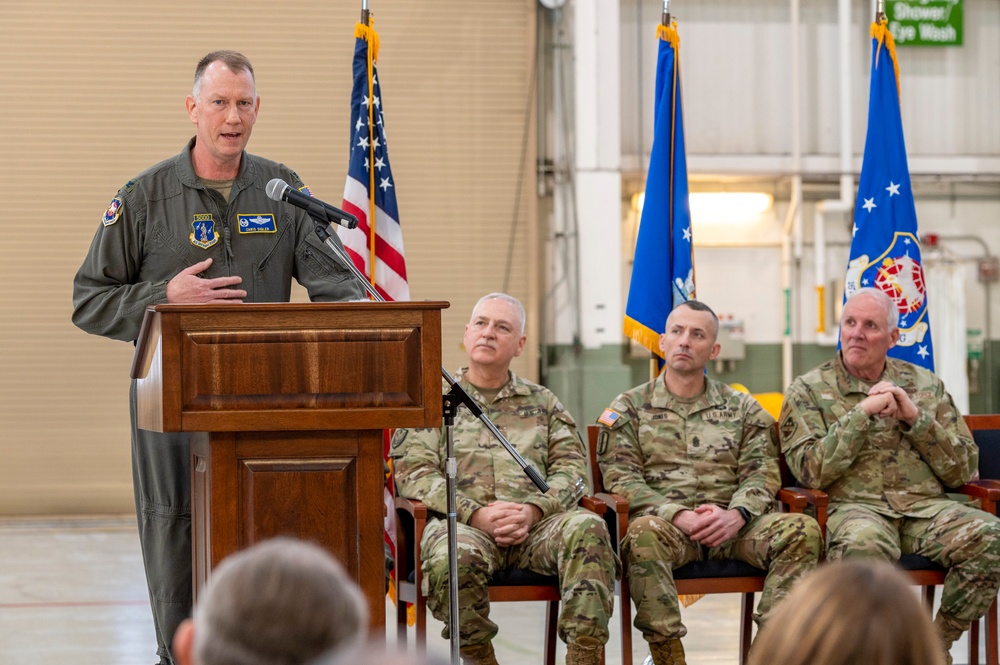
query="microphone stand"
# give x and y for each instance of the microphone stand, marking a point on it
(451, 400)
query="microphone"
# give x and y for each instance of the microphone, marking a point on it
(279, 190)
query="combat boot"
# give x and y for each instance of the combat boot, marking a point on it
(670, 652)
(478, 654)
(948, 630)
(586, 650)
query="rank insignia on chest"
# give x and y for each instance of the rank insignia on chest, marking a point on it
(113, 212)
(262, 223)
(609, 417)
(203, 231)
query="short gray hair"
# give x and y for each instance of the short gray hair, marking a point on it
(508, 299)
(234, 61)
(280, 602)
(891, 311)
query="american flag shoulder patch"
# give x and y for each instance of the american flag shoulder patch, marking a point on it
(609, 417)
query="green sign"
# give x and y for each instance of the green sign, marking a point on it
(925, 22)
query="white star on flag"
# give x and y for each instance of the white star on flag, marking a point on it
(922, 351)
(385, 184)
(869, 204)
(687, 233)
(893, 189)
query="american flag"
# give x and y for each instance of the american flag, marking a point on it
(370, 194)
(370, 191)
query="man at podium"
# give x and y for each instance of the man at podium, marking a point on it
(196, 228)
(503, 520)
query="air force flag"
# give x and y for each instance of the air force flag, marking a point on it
(885, 250)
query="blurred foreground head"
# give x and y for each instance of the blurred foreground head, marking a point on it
(280, 602)
(847, 612)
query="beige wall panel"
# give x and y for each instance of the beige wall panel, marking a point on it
(92, 93)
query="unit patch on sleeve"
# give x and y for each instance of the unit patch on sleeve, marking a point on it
(203, 231)
(260, 223)
(113, 212)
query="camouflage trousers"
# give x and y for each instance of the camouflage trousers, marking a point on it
(573, 545)
(787, 545)
(961, 538)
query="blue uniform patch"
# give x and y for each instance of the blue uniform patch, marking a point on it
(113, 212)
(262, 223)
(203, 231)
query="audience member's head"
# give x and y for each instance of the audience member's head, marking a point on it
(850, 611)
(280, 602)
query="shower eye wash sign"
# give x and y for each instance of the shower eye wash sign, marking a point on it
(925, 22)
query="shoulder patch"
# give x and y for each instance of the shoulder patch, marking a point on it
(609, 417)
(788, 426)
(399, 436)
(113, 212)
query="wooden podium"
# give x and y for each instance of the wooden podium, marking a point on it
(286, 404)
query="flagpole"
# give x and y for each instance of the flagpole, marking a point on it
(666, 13)
(364, 12)
(880, 11)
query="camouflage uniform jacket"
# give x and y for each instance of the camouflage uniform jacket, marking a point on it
(831, 444)
(536, 425)
(666, 455)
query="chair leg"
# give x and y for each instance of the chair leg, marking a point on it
(401, 621)
(974, 643)
(746, 626)
(929, 598)
(421, 623)
(992, 655)
(551, 630)
(625, 612)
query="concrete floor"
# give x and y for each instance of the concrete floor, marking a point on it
(73, 591)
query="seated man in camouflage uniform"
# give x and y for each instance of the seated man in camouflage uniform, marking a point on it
(698, 463)
(883, 438)
(503, 520)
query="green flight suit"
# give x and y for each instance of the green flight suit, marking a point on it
(161, 222)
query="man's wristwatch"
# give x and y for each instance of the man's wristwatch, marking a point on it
(744, 513)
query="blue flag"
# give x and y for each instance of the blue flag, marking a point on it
(885, 250)
(663, 271)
